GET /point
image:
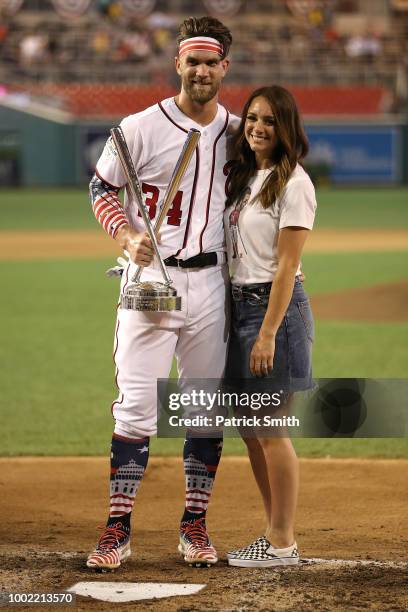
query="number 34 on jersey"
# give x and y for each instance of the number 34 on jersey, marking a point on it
(152, 194)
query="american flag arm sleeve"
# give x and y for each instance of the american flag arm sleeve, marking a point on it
(106, 205)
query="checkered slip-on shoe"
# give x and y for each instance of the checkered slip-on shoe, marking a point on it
(195, 545)
(113, 548)
(261, 553)
(247, 549)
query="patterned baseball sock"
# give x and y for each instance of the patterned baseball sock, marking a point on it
(128, 462)
(201, 459)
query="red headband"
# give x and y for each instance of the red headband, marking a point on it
(201, 43)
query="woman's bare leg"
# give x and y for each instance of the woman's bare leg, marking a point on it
(283, 480)
(257, 458)
(276, 470)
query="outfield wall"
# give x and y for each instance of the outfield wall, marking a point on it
(53, 149)
(37, 147)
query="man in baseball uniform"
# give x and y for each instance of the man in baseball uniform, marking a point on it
(192, 244)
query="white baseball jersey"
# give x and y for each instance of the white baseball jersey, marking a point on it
(145, 342)
(155, 138)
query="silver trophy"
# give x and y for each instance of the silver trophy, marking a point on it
(151, 295)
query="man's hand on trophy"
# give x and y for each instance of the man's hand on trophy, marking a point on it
(140, 248)
(137, 244)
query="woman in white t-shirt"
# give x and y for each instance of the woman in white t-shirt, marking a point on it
(270, 211)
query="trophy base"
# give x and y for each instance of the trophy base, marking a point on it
(150, 297)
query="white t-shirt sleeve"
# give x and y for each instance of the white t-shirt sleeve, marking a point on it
(298, 204)
(109, 167)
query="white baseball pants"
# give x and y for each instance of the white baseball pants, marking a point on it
(145, 343)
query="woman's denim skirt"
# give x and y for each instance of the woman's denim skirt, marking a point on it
(292, 363)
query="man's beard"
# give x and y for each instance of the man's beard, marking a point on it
(199, 93)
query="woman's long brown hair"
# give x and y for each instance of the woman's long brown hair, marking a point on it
(292, 146)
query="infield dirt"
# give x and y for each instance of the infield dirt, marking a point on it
(70, 244)
(385, 303)
(348, 509)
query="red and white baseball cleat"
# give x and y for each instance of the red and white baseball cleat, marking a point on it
(195, 545)
(113, 547)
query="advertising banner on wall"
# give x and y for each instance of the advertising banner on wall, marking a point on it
(9, 158)
(342, 154)
(92, 139)
(355, 153)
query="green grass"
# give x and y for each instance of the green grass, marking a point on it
(366, 208)
(46, 209)
(361, 350)
(310, 447)
(57, 375)
(58, 318)
(70, 209)
(57, 346)
(326, 272)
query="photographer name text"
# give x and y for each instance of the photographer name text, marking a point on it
(221, 421)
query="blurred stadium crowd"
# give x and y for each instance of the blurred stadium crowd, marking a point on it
(352, 42)
(70, 69)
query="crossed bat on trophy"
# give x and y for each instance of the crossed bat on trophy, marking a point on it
(150, 295)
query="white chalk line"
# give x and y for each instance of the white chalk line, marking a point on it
(304, 562)
(355, 563)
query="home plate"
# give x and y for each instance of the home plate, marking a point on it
(133, 591)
